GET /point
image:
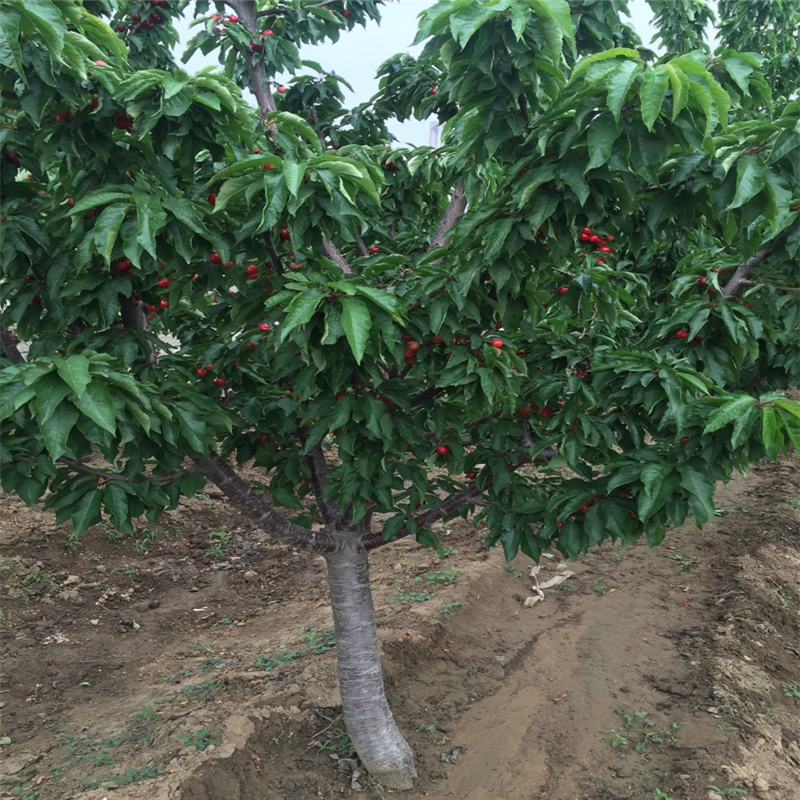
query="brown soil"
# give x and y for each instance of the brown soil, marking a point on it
(157, 669)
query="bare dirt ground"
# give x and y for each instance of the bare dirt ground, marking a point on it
(195, 662)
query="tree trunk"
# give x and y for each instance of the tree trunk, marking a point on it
(379, 744)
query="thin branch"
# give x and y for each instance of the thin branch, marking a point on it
(456, 209)
(360, 246)
(425, 395)
(455, 428)
(9, 345)
(319, 480)
(763, 283)
(259, 82)
(259, 510)
(274, 255)
(115, 477)
(332, 252)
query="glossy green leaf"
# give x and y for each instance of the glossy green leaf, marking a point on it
(356, 321)
(56, 429)
(619, 82)
(651, 94)
(86, 511)
(74, 370)
(749, 179)
(96, 404)
(728, 412)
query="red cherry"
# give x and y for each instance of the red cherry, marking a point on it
(150, 308)
(547, 411)
(562, 290)
(233, 18)
(200, 372)
(12, 157)
(70, 202)
(470, 475)
(498, 343)
(442, 449)
(256, 47)
(345, 14)
(121, 28)
(684, 440)
(681, 334)
(267, 32)
(604, 249)
(215, 258)
(36, 300)
(163, 303)
(584, 237)
(285, 235)
(587, 231)
(89, 215)
(281, 90)
(268, 166)
(595, 239)
(212, 198)
(229, 265)
(584, 508)
(522, 171)
(256, 150)
(263, 327)
(610, 238)
(433, 90)
(702, 281)
(163, 284)
(219, 381)
(374, 250)
(524, 411)
(601, 261)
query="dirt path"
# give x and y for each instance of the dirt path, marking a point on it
(183, 673)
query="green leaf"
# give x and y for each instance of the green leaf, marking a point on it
(619, 82)
(356, 321)
(728, 412)
(115, 500)
(101, 197)
(652, 93)
(299, 125)
(743, 427)
(615, 52)
(382, 298)
(520, 14)
(193, 429)
(107, 228)
(14, 398)
(50, 391)
(151, 217)
(603, 132)
(48, 20)
(792, 406)
(652, 477)
(293, 173)
(86, 511)
(769, 431)
(700, 487)
(558, 12)
(57, 428)
(75, 372)
(749, 180)
(10, 52)
(96, 404)
(300, 310)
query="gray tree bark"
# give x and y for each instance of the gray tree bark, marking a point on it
(377, 740)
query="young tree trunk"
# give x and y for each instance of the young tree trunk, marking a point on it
(379, 744)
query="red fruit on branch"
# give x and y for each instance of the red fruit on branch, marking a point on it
(151, 308)
(256, 47)
(610, 238)
(70, 201)
(256, 150)
(413, 346)
(442, 449)
(374, 250)
(470, 475)
(229, 265)
(264, 327)
(281, 90)
(702, 281)
(584, 237)
(604, 249)
(345, 14)
(219, 381)
(65, 117)
(587, 231)
(215, 258)
(498, 343)
(267, 32)
(684, 440)
(212, 198)
(682, 334)
(268, 166)
(524, 411)
(200, 372)
(163, 284)
(562, 290)
(285, 235)
(163, 303)
(233, 18)
(547, 411)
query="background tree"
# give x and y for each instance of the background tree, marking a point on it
(567, 323)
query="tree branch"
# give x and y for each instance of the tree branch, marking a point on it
(235, 489)
(743, 270)
(772, 285)
(9, 345)
(361, 247)
(319, 479)
(259, 83)
(115, 477)
(334, 255)
(456, 209)
(274, 255)
(455, 428)
(134, 315)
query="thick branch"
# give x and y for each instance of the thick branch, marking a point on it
(319, 479)
(743, 270)
(112, 477)
(235, 489)
(334, 255)
(455, 211)
(134, 315)
(259, 83)
(9, 345)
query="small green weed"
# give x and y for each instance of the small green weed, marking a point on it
(333, 738)
(200, 739)
(727, 792)
(517, 573)
(726, 706)
(321, 641)
(440, 576)
(217, 542)
(639, 730)
(599, 587)
(448, 609)
(318, 642)
(430, 728)
(146, 714)
(280, 659)
(659, 795)
(210, 663)
(791, 690)
(402, 596)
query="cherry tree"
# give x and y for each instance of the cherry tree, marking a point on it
(567, 323)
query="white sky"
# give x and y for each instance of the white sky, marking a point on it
(358, 54)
